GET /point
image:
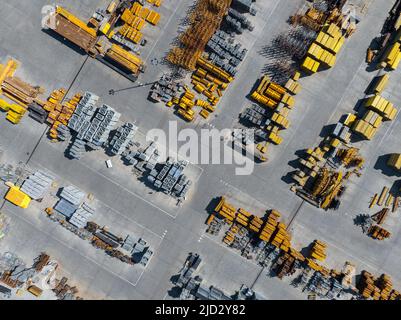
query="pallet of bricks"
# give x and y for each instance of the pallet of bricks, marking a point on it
(205, 19)
(377, 288)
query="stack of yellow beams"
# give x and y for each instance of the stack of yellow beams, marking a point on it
(318, 250)
(131, 33)
(126, 59)
(132, 20)
(270, 94)
(185, 106)
(225, 210)
(381, 106)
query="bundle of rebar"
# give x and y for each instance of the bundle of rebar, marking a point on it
(205, 19)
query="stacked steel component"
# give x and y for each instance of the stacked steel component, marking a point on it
(223, 54)
(205, 19)
(324, 50)
(377, 288)
(122, 138)
(171, 179)
(37, 184)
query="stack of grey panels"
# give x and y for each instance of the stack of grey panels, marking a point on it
(81, 217)
(66, 208)
(129, 243)
(77, 149)
(72, 194)
(37, 184)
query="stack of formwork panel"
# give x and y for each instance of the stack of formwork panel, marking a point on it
(156, 3)
(131, 33)
(37, 184)
(324, 49)
(122, 137)
(205, 19)
(81, 216)
(72, 194)
(318, 250)
(271, 94)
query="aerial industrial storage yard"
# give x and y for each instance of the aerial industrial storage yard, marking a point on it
(304, 94)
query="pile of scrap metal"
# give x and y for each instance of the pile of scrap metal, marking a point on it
(205, 19)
